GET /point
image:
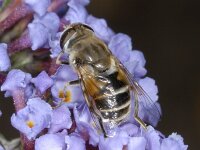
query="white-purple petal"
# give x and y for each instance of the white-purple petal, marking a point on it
(61, 119)
(152, 138)
(42, 82)
(137, 143)
(50, 142)
(114, 143)
(38, 6)
(119, 43)
(76, 12)
(100, 27)
(14, 80)
(149, 86)
(5, 60)
(85, 125)
(38, 34)
(50, 20)
(33, 118)
(135, 64)
(173, 142)
(82, 2)
(74, 142)
(54, 44)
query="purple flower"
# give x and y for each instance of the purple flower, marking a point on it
(50, 142)
(114, 143)
(1, 148)
(40, 7)
(76, 12)
(14, 80)
(0, 113)
(32, 119)
(63, 92)
(54, 44)
(121, 43)
(100, 27)
(149, 86)
(74, 142)
(153, 138)
(173, 142)
(5, 60)
(81, 2)
(42, 29)
(38, 34)
(137, 143)
(61, 119)
(85, 125)
(42, 82)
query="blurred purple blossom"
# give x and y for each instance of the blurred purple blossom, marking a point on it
(1, 148)
(38, 6)
(43, 78)
(50, 142)
(42, 29)
(15, 79)
(32, 119)
(76, 12)
(5, 60)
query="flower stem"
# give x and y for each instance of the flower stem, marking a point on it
(2, 78)
(19, 103)
(19, 12)
(20, 43)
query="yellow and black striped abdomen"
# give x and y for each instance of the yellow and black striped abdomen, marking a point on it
(113, 100)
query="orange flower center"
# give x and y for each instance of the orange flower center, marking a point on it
(66, 97)
(30, 124)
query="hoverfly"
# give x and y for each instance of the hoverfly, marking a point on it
(106, 84)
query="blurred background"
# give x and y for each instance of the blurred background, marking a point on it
(167, 32)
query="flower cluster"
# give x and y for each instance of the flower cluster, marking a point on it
(53, 115)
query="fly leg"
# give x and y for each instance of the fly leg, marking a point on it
(137, 118)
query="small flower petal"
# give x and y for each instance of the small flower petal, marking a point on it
(50, 142)
(149, 86)
(14, 80)
(33, 118)
(54, 43)
(40, 7)
(173, 142)
(38, 34)
(137, 143)
(42, 82)
(5, 60)
(135, 64)
(100, 27)
(74, 142)
(114, 143)
(61, 119)
(76, 12)
(153, 139)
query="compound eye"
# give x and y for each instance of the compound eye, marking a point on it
(88, 27)
(66, 35)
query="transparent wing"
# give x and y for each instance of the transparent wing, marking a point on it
(150, 108)
(145, 102)
(88, 100)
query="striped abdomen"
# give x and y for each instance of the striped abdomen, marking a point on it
(113, 100)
